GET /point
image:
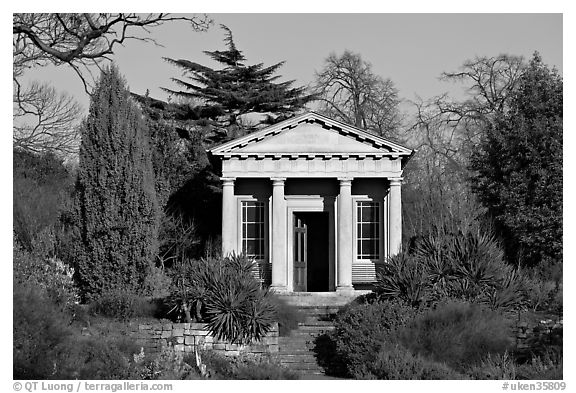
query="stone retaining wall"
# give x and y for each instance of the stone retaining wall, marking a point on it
(185, 336)
(526, 330)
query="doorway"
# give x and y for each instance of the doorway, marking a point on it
(311, 256)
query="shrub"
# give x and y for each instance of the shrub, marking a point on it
(262, 370)
(223, 293)
(287, 315)
(39, 326)
(220, 367)
(403, 277)
(157, 283)
(85, 357)
(499, 366)
(543, 294)
(361, 330)
(41, 188)
(460, 334)
(123, 305)
(167, 365)
(50, 274)
(545, 368)
(45, 346)
(396, 362)
(217, 366)
(467, 266)
(503, 366)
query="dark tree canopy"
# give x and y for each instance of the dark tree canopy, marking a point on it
(223, 95)
(117, 206)
(518, 168)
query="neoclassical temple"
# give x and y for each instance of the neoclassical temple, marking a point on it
(316, 202)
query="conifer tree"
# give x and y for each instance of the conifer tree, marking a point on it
(518, 169)
(236, 89)
(117, 206)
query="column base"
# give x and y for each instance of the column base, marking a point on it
(345, 290)
(279, 289)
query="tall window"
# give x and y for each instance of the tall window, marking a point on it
(253, 229)
(368, 214)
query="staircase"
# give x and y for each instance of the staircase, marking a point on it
(306, 350)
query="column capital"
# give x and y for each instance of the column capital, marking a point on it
(345, 181)
(395, 181)
(278, 181)
(227, 181)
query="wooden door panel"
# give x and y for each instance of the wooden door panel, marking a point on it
(300, 255)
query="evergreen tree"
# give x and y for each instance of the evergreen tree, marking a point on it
(519, 169)
(236, 89)
(117, 207)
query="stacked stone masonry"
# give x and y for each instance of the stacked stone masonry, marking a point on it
(184, 337)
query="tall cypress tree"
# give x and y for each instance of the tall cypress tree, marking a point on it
(117, 206)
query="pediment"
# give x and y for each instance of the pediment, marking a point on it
(308, 138)
(311, 134)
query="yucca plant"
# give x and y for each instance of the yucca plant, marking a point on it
(432, 254)
(403, 277)
(467, 265)
(226, 295)
(510, 292)
(477, 258)
(187, 292)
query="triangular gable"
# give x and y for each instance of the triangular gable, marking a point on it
(314, 134)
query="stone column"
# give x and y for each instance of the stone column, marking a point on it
(395, 224)
(279, 263)
(229, 218)
(345, 236)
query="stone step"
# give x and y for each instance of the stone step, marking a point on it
(297, 355)
(320, 299)
(300, 365)
(320, 310)
(316, 323)
(303, 347)
(299, 339)
(296, 351)
(303, 334)
(313, 328)
(304, 369)
(306, 345)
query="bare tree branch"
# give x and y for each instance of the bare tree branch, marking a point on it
(45, 121)
(82, 40)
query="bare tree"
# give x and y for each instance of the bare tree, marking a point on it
(349, 91)
(445, 132)
(82, 40)
(453, 128)
(44, 120)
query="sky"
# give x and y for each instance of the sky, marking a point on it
(410, 49)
